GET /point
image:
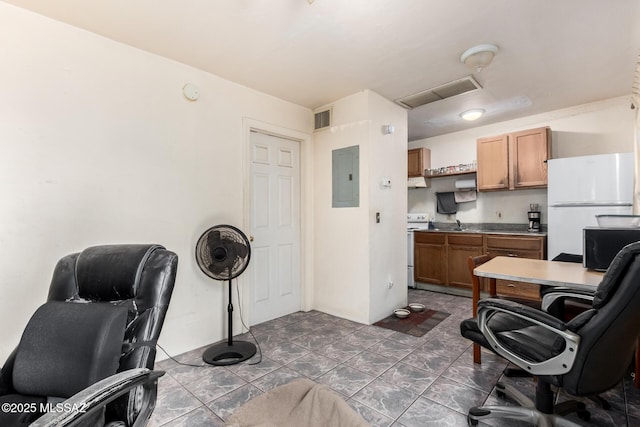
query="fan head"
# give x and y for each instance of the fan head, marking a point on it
(223, 252)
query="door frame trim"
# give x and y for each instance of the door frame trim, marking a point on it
(306, 205)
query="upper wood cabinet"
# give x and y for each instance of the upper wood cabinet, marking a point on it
(513, 161)
(418, 160)
(493, 163)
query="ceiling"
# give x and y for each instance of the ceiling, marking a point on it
(552, 54)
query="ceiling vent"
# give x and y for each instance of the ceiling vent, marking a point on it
(447, 90)
(322, 119)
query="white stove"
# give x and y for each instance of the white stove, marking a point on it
(415, 221)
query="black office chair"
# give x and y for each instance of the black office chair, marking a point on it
(104, 313)
(565, 303)
(586, 356)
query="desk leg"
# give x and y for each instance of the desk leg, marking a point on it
(492, 287)
(475, 299)
(636, 376)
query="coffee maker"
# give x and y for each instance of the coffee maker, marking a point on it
(534, 218)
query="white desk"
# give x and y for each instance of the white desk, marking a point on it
(541, 272)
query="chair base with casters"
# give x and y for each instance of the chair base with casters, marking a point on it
(527, 410)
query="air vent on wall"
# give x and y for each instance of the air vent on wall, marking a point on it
(447, 90)
(322, 119)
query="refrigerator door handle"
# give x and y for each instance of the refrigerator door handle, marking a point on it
(588, 204)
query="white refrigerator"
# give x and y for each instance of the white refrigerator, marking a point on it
(579, 188)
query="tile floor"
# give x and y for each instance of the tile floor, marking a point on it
(390, 378)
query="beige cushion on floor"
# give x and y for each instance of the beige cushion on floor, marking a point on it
(298, 403)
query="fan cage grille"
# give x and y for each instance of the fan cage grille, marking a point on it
(223, 252)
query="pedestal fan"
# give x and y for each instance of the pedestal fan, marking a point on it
(223, 253)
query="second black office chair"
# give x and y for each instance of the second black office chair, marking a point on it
(104, 313)
(586, 356)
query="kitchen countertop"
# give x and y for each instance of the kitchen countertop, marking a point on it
(483, 228)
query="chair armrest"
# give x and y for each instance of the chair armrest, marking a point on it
(524, 311)
(555, 365)
(550, 296)
(87, 402)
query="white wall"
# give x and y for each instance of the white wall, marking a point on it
(354, 256)
(388, 246)
(100, 146)
(595, 128)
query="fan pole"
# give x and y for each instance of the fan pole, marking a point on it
(230, 317)
(229, 352)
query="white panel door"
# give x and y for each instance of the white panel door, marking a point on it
(275, 227)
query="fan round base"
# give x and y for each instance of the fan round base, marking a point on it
(223, 354)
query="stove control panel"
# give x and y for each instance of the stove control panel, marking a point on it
(417, 217)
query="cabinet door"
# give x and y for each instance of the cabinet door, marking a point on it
(493, 163)
(459, 248)
(413, 162)
(418, 160)
(430, 258)
(529, 151)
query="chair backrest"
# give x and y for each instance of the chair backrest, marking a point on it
(608, 332)
(138, 277)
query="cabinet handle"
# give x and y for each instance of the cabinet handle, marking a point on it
(511, 285)
(512, 255)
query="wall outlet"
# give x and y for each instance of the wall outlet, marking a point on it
(390, 284)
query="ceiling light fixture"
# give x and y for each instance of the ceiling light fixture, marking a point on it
(478, 57)
(471, 115)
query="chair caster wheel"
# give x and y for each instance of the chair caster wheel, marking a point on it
(471, 422)
(501, 394)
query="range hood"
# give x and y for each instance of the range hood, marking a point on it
(417, 182)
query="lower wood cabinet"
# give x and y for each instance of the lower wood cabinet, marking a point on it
(441, 258)
(430, 258)
(459, 248)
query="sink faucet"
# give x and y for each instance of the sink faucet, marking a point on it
(459, 227)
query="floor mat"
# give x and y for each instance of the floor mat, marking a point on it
(417, 324)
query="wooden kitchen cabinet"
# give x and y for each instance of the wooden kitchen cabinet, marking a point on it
(430, 258)
(418, 160)
(493, 163)
(441, 258)
(514, 161)
(517, 246)
(459, 248)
